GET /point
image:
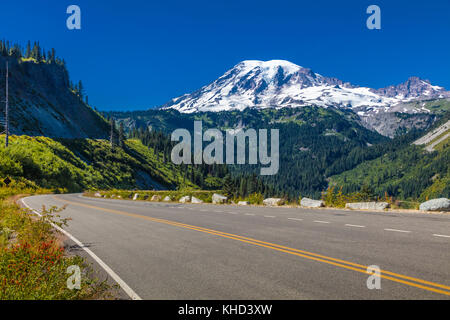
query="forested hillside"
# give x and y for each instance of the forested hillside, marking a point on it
(314, 142)
(407, 172)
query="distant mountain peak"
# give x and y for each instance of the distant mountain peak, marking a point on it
(413, 88)
(281, 83)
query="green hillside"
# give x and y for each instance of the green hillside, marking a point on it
(80, 164)
(409, 172)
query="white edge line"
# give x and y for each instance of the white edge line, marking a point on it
(396, 230)
(355, 225)
(133, 295)
(441, 235)
(318, 221)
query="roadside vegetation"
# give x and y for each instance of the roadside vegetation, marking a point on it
(74, 165)
(33, 260)
(332, 197)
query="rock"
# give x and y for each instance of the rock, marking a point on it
(311, 203)
(196, 200)
(218, 198)
(441, 204)
(119, 197)
(112, 196)
(136, 195)
(243, 203)
(156, 197)
(167, 198)
(273, 201)
(98, 195)
(367, 205)
(185, 199)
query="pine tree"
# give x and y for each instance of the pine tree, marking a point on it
(228, 187)
(52, 56)
(80, 89)
(121, 135)
(28, 52)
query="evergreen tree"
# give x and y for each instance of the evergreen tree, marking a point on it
(228, 186)
(80, 89)
(28, 52)
(121, 135)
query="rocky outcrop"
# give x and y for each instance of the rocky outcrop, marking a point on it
(243, 203)
(441, 204)
(185, 199)
(44, 105)
(414, 87)
(156, 197)
(196, 200)
(167, 198)
(98, 195)
(273, 202)
(311, 203)
(218, 198)
(367, 205)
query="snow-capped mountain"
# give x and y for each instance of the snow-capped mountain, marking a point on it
(280, 83)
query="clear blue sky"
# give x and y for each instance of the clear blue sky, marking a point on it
(139, 54)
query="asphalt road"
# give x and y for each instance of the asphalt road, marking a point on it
(203, 251)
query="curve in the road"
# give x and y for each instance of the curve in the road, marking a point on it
(399, 278)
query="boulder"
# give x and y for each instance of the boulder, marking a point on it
(185, 199)
(218, 198)
(367, 205)
(273, 201)
(243, 203)
(441, 204)
(136, 195)
(196, 200)
(311, 203)
(98, 195)
(156, 197)
(167, 198)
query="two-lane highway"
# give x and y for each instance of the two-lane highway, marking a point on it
(204, 251)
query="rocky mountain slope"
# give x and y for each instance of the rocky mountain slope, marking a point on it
(42, 102)
(435, 137)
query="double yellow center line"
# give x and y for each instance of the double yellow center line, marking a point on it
(410, 281)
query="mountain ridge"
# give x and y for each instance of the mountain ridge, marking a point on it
(43, 101)
(280, 83)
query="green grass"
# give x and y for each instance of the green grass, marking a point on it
(81, 164)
